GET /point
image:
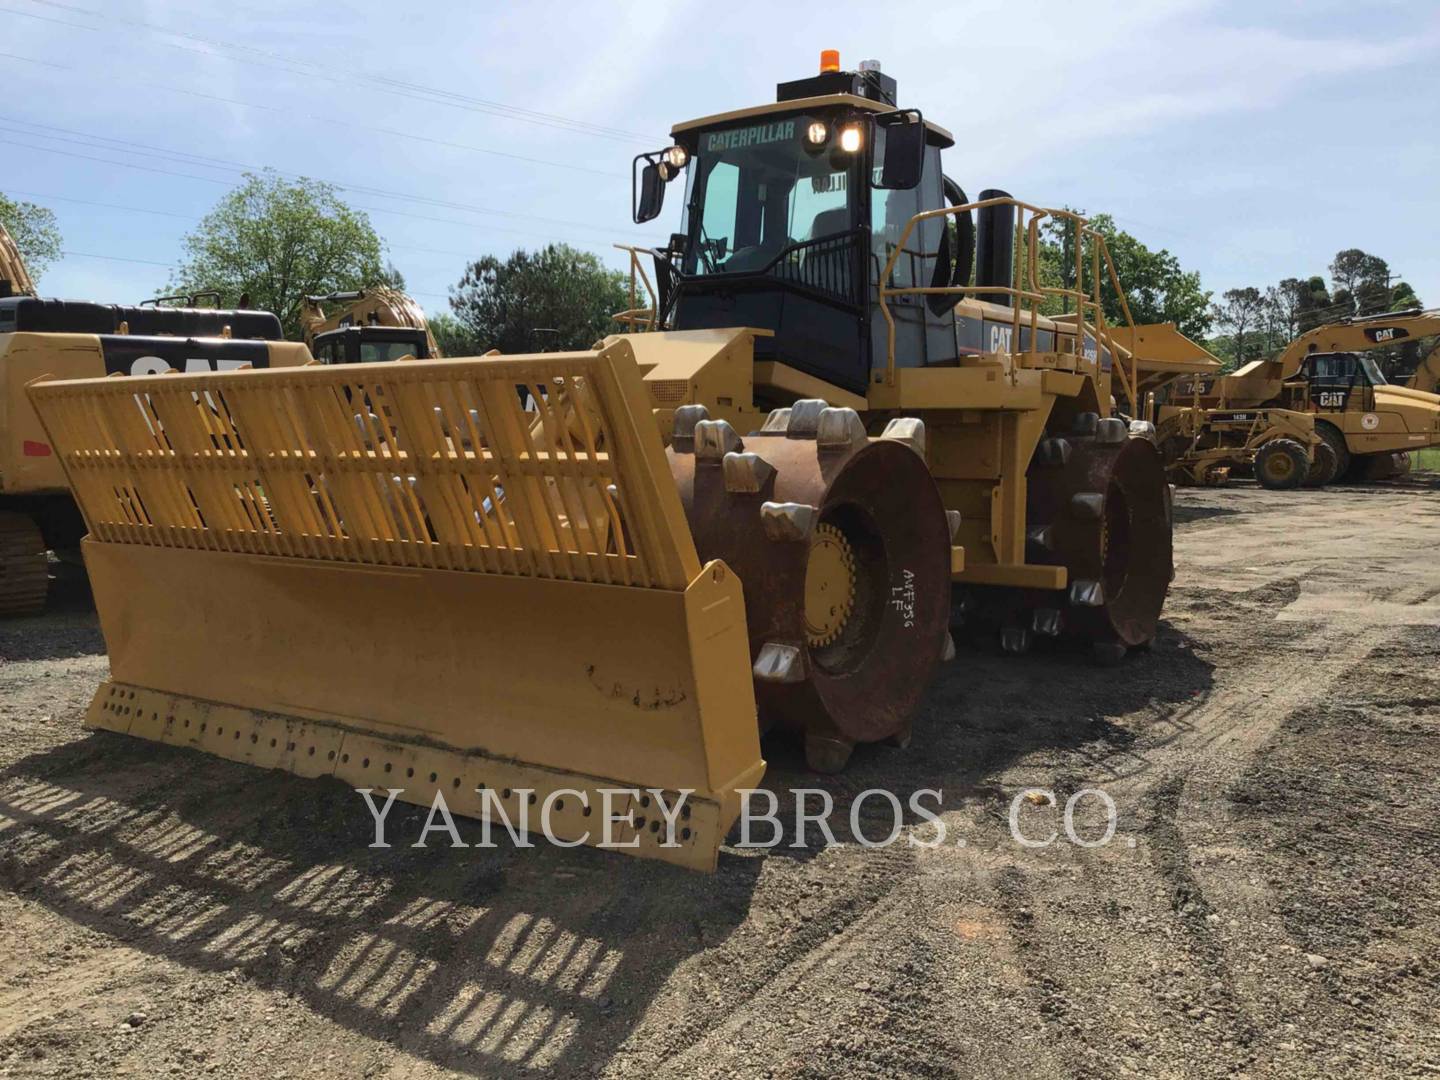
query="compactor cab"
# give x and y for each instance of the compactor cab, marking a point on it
(793, 210)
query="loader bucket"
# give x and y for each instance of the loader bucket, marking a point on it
(403, 576)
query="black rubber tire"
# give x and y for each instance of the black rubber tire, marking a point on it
(1281, 464)
(1323, 465)
(1335, 438)
(1370, 468)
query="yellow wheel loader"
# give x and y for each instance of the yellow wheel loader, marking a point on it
(1368, 423)
(529, 583)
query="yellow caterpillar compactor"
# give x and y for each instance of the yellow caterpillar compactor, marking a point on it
(521, 580)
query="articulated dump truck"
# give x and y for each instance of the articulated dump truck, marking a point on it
(519, 581)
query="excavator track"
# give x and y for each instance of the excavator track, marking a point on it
(24, 566)
(843, 546)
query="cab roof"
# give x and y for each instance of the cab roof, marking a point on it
(938, 135)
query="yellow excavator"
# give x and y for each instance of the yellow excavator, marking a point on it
(1368, 423)
(76, 339)
(40, 336)
(850, 430)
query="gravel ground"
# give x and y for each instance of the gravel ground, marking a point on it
(1269, 904)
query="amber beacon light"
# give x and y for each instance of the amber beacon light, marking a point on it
(829, 60)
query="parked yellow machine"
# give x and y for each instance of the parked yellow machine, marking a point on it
(76, 339)
(1281, 448)
(765, 513)
(366, 326)
(1369, 423)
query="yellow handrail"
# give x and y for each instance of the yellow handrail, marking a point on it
(1025, 289)
(636, 318)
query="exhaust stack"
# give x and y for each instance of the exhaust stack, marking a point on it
(995, 248)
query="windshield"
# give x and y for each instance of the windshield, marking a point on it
(379, 352)
(760, 188)
(1372, 371)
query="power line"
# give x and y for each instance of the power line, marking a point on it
(382, 84)
(184, 158)
(468, 255)
(115, 258)
(325, 120)
(107, 206)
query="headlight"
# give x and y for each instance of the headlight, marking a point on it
(817, 133)
(850, 139)
(677, 156)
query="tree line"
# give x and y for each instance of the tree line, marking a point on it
(1255, 323)
(274, 241)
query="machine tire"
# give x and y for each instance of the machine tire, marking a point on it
(1281, 464)
(1369, 468)
(863, 520)
(1105, 517)
(1323, 466)
(1335, 439)
(24, 566)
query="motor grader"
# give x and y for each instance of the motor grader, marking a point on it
(765, 513)
(1368, 423)
(1280, 447)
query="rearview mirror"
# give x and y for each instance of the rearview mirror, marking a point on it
(651, 195)
(900, 148)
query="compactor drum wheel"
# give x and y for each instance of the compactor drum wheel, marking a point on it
(1098, 504)
(1323, 465)
(24, 566)
(843, 547)
(1281, 464)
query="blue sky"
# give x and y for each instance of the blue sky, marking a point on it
(1252, 139)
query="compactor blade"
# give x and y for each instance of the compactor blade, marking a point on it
(436, 576)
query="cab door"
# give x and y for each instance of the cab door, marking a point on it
(1337, 384)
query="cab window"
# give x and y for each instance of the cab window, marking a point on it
(379, 352)
(760, 188)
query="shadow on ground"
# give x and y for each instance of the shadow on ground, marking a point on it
(487, 961)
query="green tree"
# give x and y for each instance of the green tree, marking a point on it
(559, 289)
(1157, 288)
(1403, 296)
(1240, 314)
(1362, 278)
(34, 231)
(453, 336)
(1316, 304)
(278, 240)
